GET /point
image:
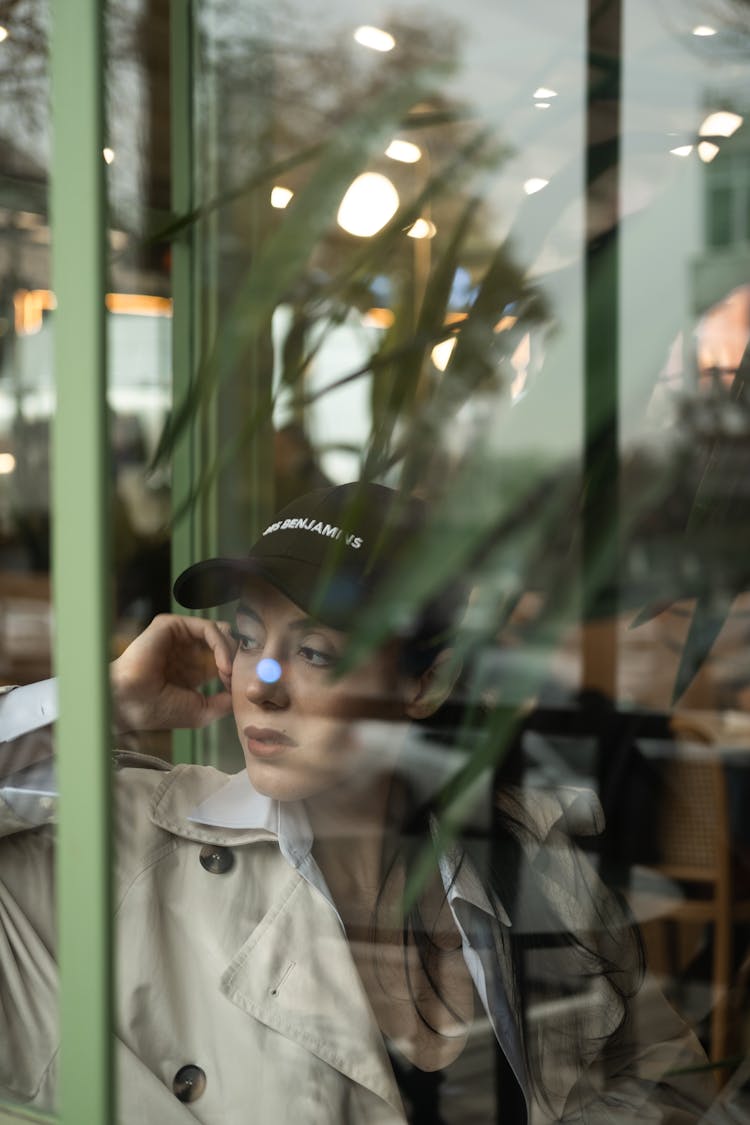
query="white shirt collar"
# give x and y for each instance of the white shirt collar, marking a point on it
(238, 805)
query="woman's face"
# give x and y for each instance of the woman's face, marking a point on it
(304, 732)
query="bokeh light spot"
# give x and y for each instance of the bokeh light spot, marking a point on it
(268, 670)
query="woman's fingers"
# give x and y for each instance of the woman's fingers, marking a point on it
(224, 651)
(216, 636)
(157, 679)
(215, 707)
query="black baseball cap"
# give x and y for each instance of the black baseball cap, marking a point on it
(329, 552)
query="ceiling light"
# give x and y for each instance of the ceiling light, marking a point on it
(542, 105)
(703, 31)
(681, 150)
(374, 38)
(7, 460)
(280, 197)
(3, 34)
(442, 352)
(532, 186)
(369, 203)
(108, 154)
(544, 92)
(422, 228)
(721, 124)
(707, 151)
(404, 151)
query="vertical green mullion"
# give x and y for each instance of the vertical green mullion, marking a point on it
(184, 467)
(601, 503)
(206, 319)
(80, 481)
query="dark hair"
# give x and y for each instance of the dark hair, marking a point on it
(512, 834)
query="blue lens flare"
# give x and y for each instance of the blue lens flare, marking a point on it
(268, 670)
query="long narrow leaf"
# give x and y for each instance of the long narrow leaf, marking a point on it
(709, 617)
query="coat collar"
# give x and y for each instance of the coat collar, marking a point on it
(201, 803)
(239, 807)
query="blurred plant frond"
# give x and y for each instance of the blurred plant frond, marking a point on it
(710, 546)
(283, 255)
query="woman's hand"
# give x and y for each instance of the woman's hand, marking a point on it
(156, 682)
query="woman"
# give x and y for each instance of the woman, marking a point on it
(268, 958)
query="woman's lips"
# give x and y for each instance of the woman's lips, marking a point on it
(264, 742)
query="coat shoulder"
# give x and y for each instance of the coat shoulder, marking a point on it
(144, 785)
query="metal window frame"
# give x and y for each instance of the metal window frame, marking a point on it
(81, 591)
(186, 744)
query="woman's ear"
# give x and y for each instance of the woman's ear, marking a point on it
(430, 690)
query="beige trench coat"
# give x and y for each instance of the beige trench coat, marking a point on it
(231, 962)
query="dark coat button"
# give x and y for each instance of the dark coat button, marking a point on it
(217, 860)
(189, 1083)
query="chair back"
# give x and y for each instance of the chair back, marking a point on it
(694, 818)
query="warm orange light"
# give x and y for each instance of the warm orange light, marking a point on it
(138, 304)
(377, 318)
(30, 304)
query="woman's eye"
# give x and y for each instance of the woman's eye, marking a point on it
(245, 643)
(317, 658)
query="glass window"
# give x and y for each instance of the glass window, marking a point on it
(474, 845)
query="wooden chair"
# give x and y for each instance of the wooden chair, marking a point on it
(695, 850)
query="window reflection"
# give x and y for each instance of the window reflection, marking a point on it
(531, 175)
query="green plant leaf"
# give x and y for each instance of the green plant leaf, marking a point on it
(709, 616)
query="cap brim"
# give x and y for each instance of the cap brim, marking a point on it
(215, 582)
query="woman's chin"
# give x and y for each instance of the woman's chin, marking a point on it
(283, 784)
